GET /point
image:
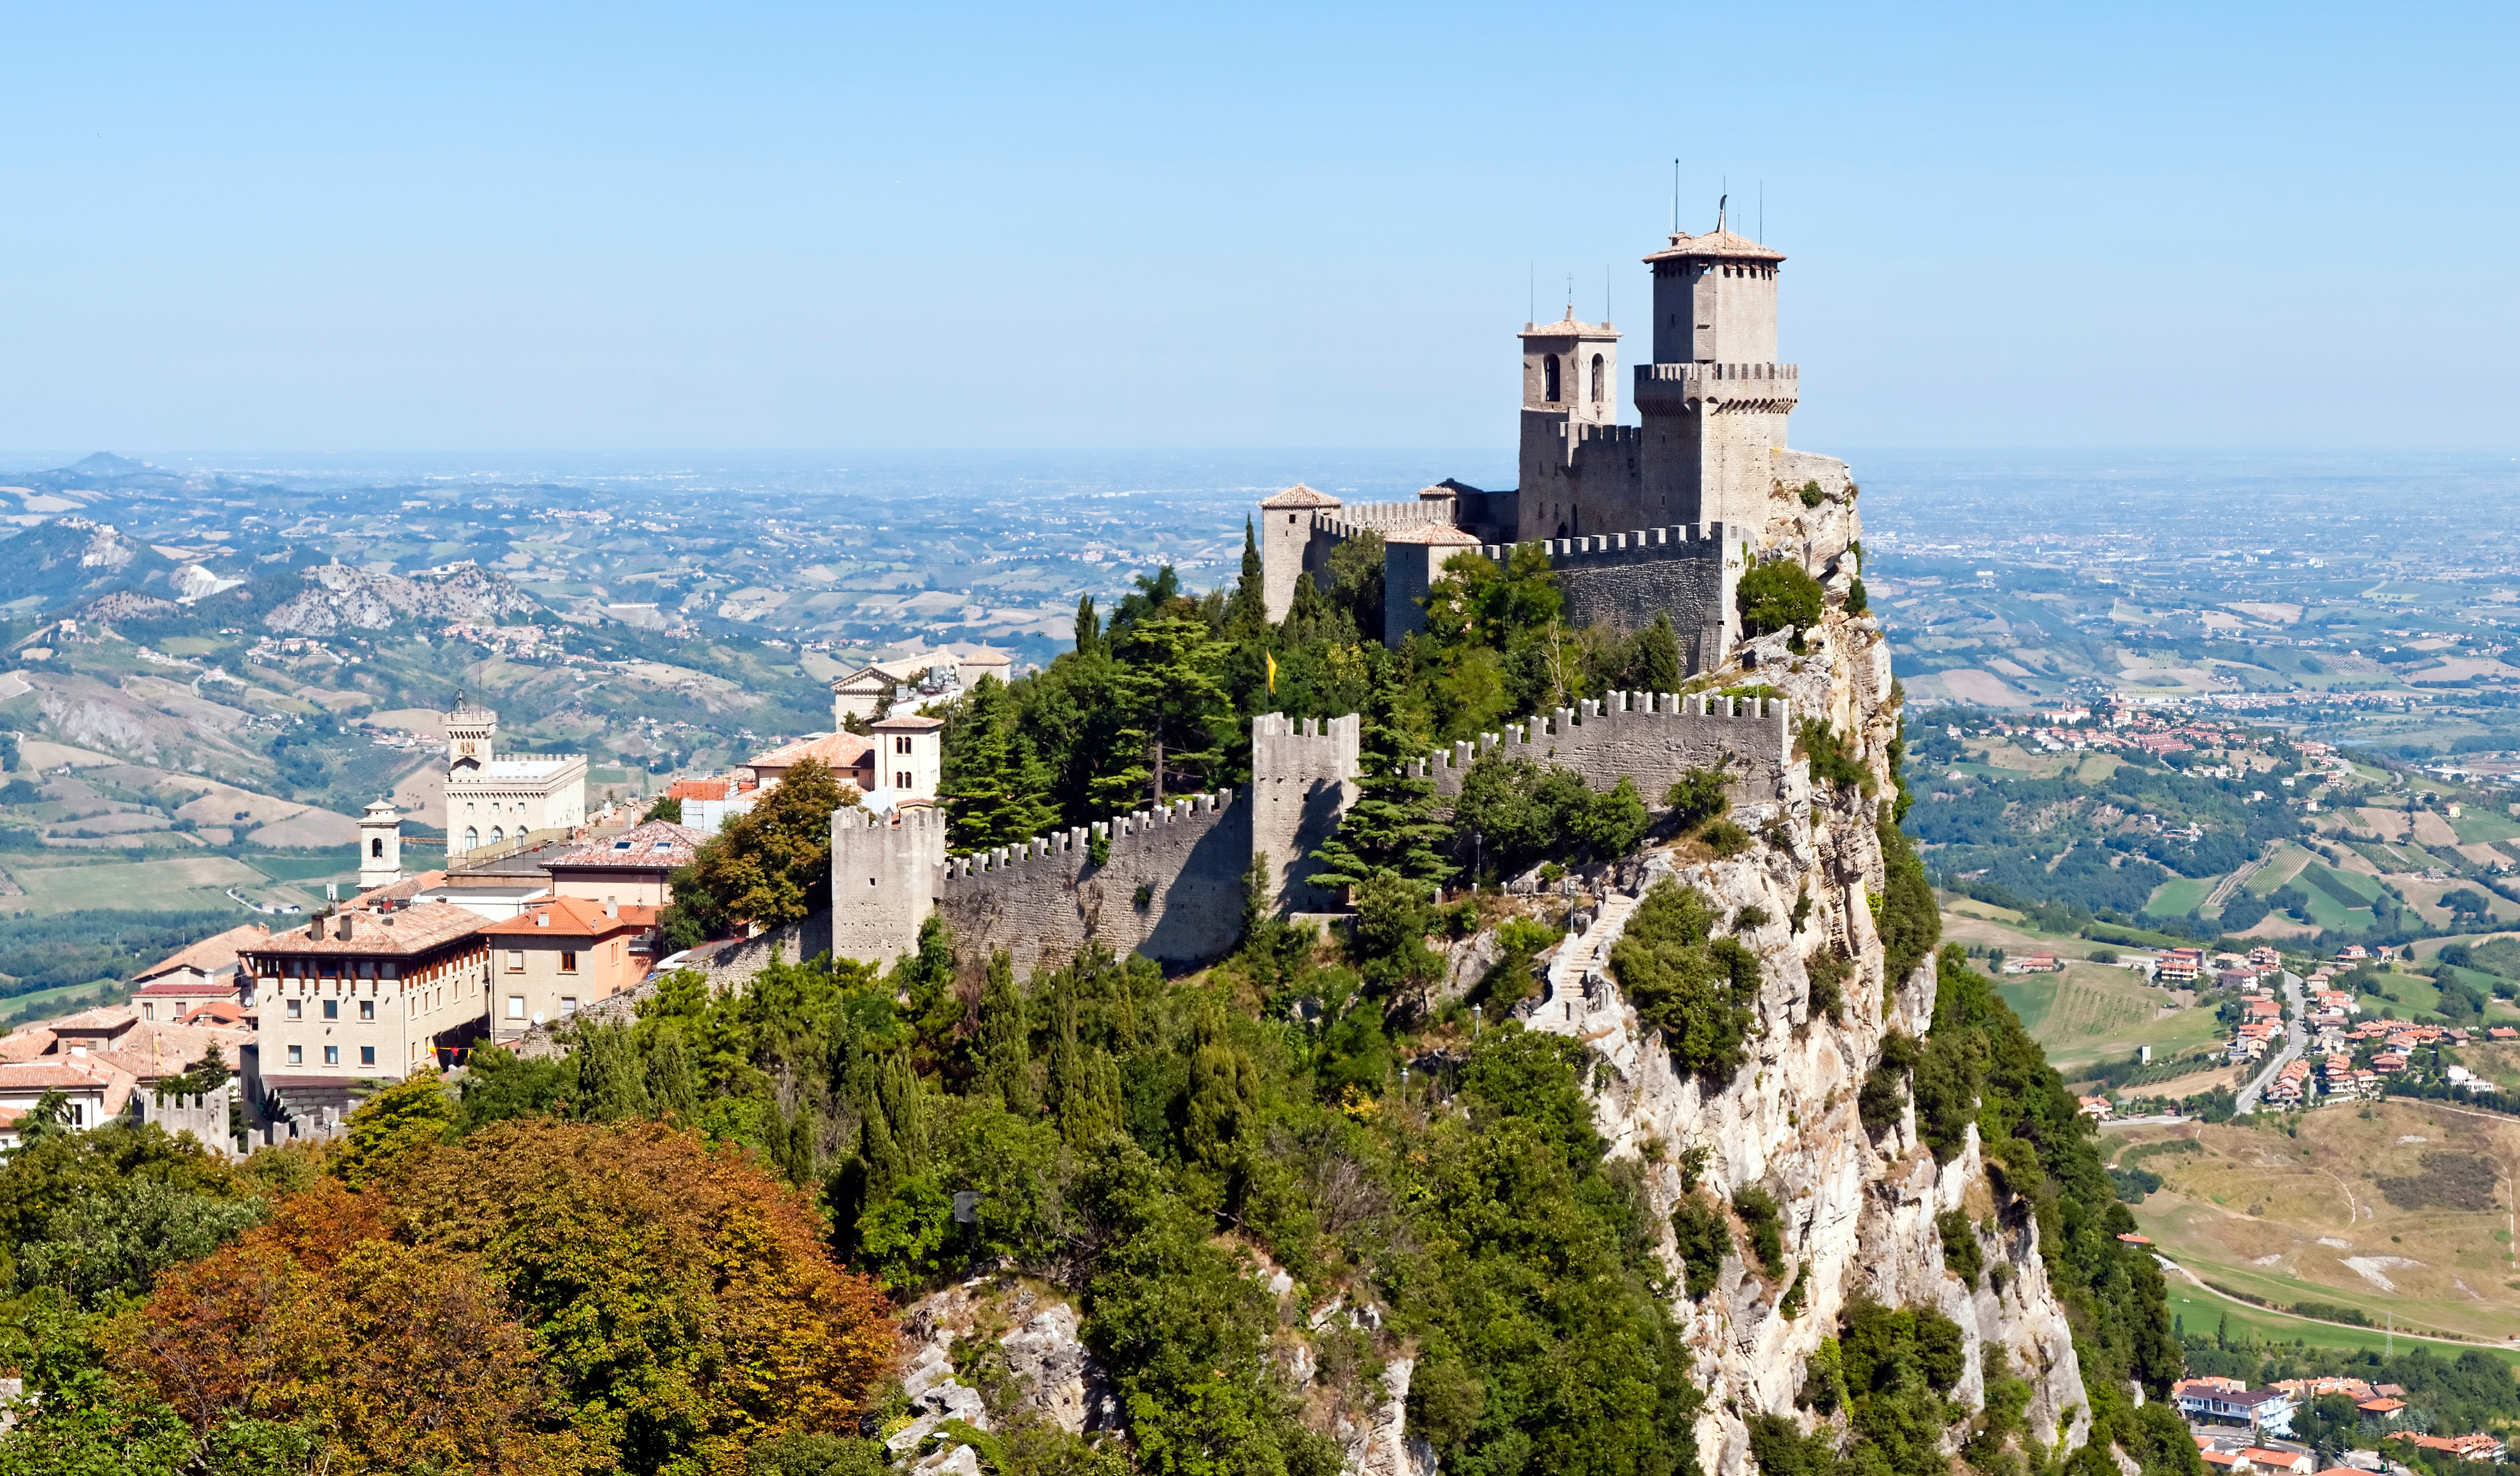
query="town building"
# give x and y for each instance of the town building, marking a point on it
(2215, 1401)
(494, 802)
(365, 996)
(562, 955)
(197, 975)
(850, 756)
(93, 1093)
(633, 869)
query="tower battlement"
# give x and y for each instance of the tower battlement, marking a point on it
(1761, 389)
(1119, 831)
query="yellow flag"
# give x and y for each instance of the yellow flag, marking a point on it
(1273, 672)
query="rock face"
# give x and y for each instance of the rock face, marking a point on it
(1860, 1212)
(340, 598)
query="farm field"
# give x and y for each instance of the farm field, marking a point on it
(2198, 1310)
(2094, 1013)
(2397, 1208)
(2182, 895)
(174, 883)
(2481, 828)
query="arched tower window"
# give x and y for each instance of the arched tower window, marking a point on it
(497, 835)
(376, 848)
(1600, 379)
(471, 839)
(1549, 379)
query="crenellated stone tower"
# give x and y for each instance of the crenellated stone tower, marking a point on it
(1714, 400)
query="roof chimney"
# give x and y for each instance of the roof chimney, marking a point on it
(315, 927)
(344, 928)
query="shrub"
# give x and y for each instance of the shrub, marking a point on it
(1696, 797)
(1779, 595)
(1725, 838)
(1704, 1238)
(1961, 1256)
(1828, 973)
(1811, 494)
(1830, 762)
(1692, 986)
(1764, 1219)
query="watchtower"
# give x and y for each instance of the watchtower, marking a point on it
(1714, 401)
(1286, 543)
(1576, 461)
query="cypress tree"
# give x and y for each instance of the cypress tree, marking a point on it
(1002, 1048)
(1656, 667)
(670, 1088)
(1246, 615)
(1392, 826)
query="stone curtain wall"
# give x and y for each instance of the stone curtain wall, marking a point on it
(1647, 737)
(1623, 580)
(1043, 900)
(1303, 779)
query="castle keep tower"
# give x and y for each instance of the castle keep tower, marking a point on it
(1714, 400)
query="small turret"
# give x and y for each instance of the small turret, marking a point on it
(380, 846)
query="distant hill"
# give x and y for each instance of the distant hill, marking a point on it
(72, 559)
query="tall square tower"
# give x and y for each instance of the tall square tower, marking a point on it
(1714, 401)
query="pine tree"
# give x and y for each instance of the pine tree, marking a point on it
(995, 791)
(670, 1088)
(1084, 1081)
(1173, 705)
(1392, 826)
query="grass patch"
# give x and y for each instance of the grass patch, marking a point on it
(174, 883)
(299, 868)
(2344, 886)
(2181, 895)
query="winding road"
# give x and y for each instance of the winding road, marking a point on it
(2296, 1036)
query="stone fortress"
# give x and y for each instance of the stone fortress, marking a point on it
(1660, 519)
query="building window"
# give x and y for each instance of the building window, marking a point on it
(568, 962)
(147, 1012)
(1549, 379)
(567, 1006)
(515, 960)
(377, 843)
(367, 1055)
(297, 1055)
(296, 1010)
(78, 1114)
(331, 1009)
(471, 839)
(332, 1055)
(367, 1009)
(497, 834)
(516, 1007)
(901, 742)
(1600, 379)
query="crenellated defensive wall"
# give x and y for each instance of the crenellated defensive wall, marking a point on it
(1170, 881)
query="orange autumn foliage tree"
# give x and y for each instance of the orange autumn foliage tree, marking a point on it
(683, 1298)
(540, 1299)
(395, 1358)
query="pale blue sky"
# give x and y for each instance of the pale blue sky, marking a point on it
(917, 226)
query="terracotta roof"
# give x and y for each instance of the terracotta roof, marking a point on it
(1440, 534)
(103, 1019)
(1717, 244)
(1565, 327)
(396, 935)
(55, 1071)
(647, 846)
(25, 1044)
(575, 918)
(210, 955)
(699, 788)
(1301, 496)
(836, 750)
(990, 657)
(911, 722)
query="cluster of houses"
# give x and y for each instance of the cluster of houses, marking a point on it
(2258, 1417)
(419, 968)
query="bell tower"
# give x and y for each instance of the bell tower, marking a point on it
(380, 846)
(1570, 391)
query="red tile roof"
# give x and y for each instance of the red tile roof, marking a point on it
(648, 847)
(573, 918)
(209, 955)
(379, 935)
